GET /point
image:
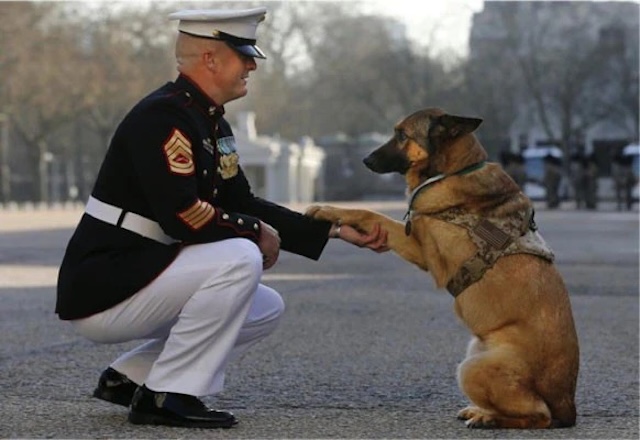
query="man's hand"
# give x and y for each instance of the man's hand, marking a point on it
(269, 245)
(376, 240)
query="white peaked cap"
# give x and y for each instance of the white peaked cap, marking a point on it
(237, 27)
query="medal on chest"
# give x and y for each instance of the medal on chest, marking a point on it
(228, 163)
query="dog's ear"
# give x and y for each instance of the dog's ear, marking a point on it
(445, 128)
(455, 126)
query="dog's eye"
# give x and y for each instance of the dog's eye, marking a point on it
(401, 135)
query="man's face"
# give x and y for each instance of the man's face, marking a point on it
(232, 73)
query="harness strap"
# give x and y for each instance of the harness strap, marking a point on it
(493, 238)
(430, 181)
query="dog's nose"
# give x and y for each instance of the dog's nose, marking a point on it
(368, 162)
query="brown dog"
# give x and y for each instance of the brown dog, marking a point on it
(469, 224)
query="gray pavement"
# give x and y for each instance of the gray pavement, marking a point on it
(367, 349)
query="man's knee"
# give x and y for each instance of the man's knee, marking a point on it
(277, 307)
(247, 253)
(248, 262)
(267, 308)
(242, 265)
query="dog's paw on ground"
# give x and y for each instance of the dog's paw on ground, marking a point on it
(481, 422)
(468, 412)
(475, 417)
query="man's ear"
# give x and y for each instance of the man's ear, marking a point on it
(209, 60)
(456, 126)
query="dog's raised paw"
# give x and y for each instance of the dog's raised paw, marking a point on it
(322, 213)
(312, 210)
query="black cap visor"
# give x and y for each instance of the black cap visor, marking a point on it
(250, 50)
(244, 46)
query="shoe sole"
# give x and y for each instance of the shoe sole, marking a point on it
(152, 419)
(111, 398)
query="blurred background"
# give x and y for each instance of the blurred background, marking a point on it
(555, 82)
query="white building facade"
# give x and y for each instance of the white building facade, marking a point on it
(278, 170)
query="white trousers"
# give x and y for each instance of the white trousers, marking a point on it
(206, 309)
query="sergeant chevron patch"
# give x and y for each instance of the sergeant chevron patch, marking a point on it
(197, 215)
(177, 150)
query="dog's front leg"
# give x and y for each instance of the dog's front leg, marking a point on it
(364, 220)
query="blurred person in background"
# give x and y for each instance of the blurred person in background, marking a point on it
(577, 179)
(513, 164)
(552, 179)
(624, 180)
(590, 180)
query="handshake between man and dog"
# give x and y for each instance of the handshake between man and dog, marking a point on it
(470, 225)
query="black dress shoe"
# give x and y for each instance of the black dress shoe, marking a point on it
(158, 408)
(115, 387)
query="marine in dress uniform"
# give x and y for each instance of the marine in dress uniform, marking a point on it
(167, 248)
(513, 164)
(552, 179)
(591, 181)
(624, 179)
(577, 178)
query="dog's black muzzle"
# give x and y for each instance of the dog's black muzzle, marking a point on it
(384, 160)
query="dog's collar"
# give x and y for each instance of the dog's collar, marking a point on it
(430, 181)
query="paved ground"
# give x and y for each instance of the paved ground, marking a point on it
(367, 349)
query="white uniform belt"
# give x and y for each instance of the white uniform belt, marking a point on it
(127, 220)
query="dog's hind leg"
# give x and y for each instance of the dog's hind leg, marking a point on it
(499, 386)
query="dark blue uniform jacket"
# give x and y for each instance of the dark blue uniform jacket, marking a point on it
(172, 160)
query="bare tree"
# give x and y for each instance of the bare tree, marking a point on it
(331, 69)
(40, 86)
(70, 74)
(491, 86)
(561, 64)
(18, 20)
(617, 77)
(126, 53)
(280, 88)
